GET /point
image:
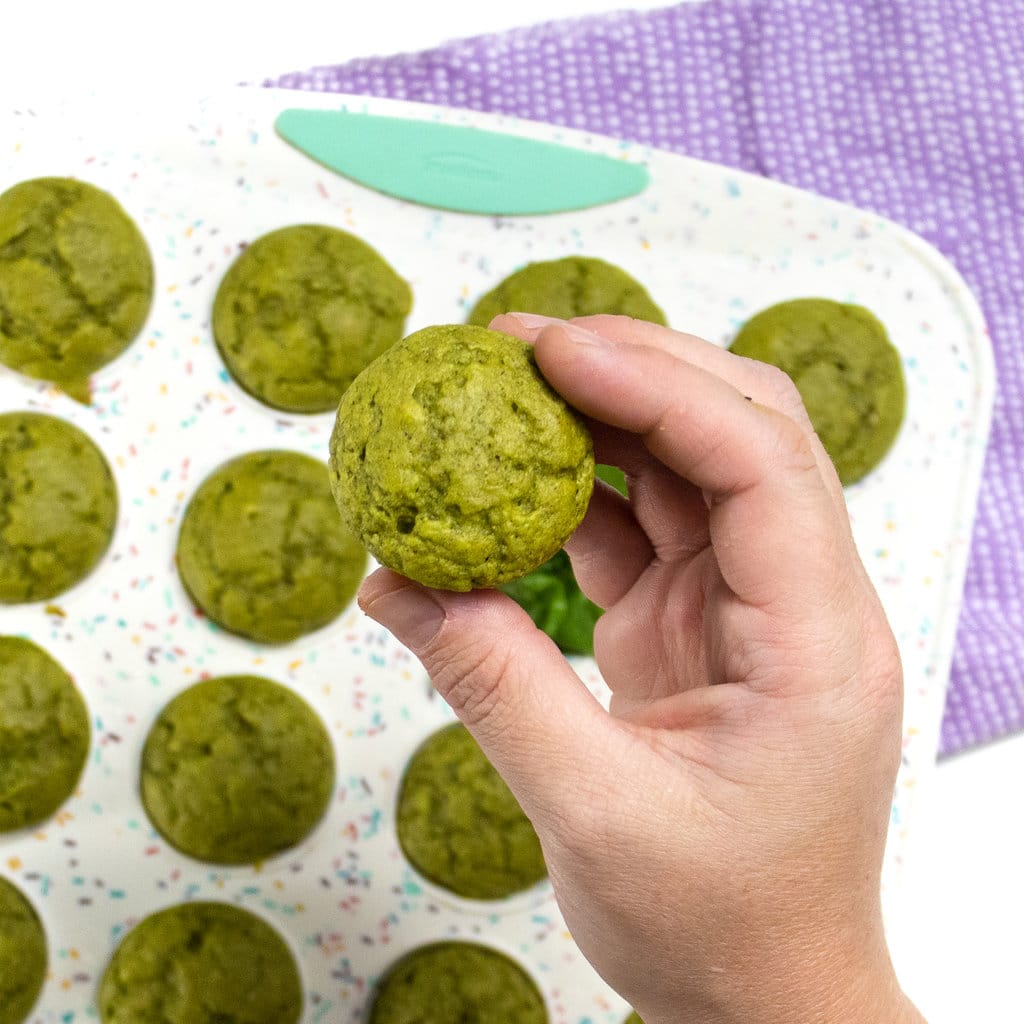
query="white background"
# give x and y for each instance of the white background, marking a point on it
(959, 941)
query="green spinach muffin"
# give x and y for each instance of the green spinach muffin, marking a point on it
(457, 981)
(22, 955)
(568, 287)
(44, 734)
(236, 769)
(455, 462)
(58, 506)
(302, 310)
(262, 550)
(76, 281)
(459, 824)
(848, 373)
(633, 1018)
(201, 963)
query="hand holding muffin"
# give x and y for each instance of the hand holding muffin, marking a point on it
(715, 843)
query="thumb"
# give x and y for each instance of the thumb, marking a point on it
(508, 683)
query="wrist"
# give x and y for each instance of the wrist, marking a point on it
(824, 989)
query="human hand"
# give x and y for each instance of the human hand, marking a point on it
(715, 842)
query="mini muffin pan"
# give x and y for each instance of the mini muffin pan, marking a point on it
(712, 245)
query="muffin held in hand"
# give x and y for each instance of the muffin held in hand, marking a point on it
(454, 461)
(568, 287)
(76, 281)
(848, 373)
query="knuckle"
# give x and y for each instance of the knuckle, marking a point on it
(789, 445)
(470, 678)
(777, 390)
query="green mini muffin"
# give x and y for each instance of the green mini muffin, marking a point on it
(302, 310)
(76, 281)
(22, 955)
(455, 462)
(44, 734)
(457, 981)
(848, 373)
(262, 550)
(568, 287)
(633, 1018)
(236, 769)
(58, 506)
(201, 963)
(459, 824)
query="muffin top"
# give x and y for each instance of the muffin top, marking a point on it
(236, 769)
(455, 462)
(459, 824)
(302, 310)
(44, 734)
(76, 280)
(22, 955)
(201, 963)
(59, 506)
(457, 981)
(568, 287)
(847, 371)
(262, 550)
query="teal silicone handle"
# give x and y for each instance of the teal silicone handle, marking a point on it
(457, 167)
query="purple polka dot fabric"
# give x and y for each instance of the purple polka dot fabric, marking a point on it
(914, 110)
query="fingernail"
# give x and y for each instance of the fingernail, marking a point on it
(531, 321)
(410, 612)
(581, 336)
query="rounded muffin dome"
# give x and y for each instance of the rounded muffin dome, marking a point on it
(455, 462)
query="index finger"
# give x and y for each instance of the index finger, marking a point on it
(778, 536)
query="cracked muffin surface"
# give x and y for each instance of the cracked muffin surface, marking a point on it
(456, 463)
(848, 373)
(76, 280)
(302, 310)
(23, 956)
(459, 824)
(58, 506)
(201, 963)
(568, 287)
(236, 769)
(44, 734)
(262, 550)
